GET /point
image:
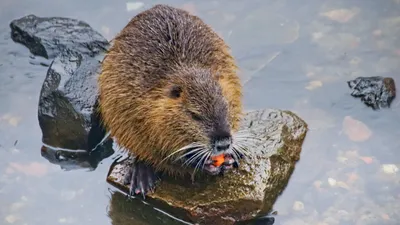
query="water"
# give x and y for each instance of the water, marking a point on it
(292, 56)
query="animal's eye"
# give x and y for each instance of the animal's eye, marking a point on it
(175, 92)
(196, 116)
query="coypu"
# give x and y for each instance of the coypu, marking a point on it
(168, 92)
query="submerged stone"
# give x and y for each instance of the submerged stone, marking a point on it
(124, 212)
(376, 92)
(49, 36)
(68, 100)
(243, 194)
(79, 159)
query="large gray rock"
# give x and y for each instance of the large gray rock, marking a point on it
(49, 36)
(242, 194)
(68, 101)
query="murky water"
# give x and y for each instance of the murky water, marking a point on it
(294, 55)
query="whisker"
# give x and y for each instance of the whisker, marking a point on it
(247, 137)
(243, 131)
(194, 157)
(235, 152)
(247, 140)
(241, 149)
(205, 154)
(192, 145)
(244, 134)
(188, 153)
(235, 155)
(205, 160)
(247, 143)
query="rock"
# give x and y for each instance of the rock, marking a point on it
(79, 159)
(298, 206)
(68, 100)
(390, 168)
(48, 36)
(69, 93)
(341, 15)
(356, 130)
(243, 194)
(123, 212)
(376, 92)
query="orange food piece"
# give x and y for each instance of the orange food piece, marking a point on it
(218, 159)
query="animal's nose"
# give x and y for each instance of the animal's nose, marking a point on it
(221, 146)
(221, 141)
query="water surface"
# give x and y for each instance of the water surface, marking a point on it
(294, 55)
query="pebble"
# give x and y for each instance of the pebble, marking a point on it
(11, 218)
(390, 168)
(66, 220)
(332, 182)
(340, 15)
(313, 85)
(317, 184)
(298, 206)
(343, 185)
(342, 159)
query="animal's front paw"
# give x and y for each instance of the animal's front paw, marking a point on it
(141, 179)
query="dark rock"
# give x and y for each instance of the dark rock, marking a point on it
(124, 212)
(68, 100)
(78, 159)
(266, 220)
(48, 36)
(243, 194)
(376, 92)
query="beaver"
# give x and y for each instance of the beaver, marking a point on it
(169, 93)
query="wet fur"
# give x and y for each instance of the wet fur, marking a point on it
(159, 44)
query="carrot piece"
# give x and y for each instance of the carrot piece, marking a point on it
(218, 159)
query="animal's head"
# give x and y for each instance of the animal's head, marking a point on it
(192, 115)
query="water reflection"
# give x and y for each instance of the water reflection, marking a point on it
(77, 159)
(294, 55)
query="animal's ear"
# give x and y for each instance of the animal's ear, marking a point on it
(175, 91)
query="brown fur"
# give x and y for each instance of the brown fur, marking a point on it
(158, 47)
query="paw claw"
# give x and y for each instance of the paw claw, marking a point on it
(141, 179)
